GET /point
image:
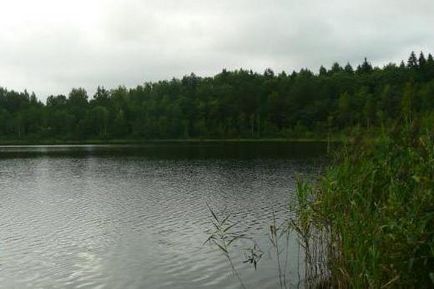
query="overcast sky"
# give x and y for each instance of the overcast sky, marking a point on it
(50, 46)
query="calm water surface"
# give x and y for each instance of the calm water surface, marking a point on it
(136, 216)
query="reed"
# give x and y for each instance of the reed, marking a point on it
(371, 217)
(369, 220)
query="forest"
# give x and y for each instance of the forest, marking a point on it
(230, 105)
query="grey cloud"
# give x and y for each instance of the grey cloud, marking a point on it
(128, 42)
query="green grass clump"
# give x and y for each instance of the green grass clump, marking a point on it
(376, 206)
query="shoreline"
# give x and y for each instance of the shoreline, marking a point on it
(165, 141)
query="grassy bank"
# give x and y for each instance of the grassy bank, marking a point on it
(369, 222)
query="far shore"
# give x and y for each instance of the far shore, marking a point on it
(151, 141)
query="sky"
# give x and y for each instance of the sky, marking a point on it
(51, 46)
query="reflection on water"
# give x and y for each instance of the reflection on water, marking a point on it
(135, 216)
(210, 150)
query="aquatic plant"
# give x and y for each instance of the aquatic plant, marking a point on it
(369, 220)
(223, 235)
(372, 214)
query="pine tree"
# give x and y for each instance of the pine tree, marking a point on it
(429, 70)
(366, 67)
(322, 71)
(335, 68)
(422, 60)
(348, 68)
(412, 61)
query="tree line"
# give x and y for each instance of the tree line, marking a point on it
(231, 104)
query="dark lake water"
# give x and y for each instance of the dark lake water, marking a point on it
(136, 216)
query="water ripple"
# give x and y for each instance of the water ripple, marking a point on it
(128, 222)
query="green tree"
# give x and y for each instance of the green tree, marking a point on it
(412, 61)
(406, 101)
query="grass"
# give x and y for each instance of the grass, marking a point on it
(374, 212)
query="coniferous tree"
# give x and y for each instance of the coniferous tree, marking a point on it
(366, 67)
(336, 68)
(348, 68)
(412, 61)
(322, 71)
(422, 60)
(429, 67)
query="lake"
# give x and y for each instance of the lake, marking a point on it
(135, 216)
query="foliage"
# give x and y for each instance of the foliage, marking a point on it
(375, 206)
(232, 104)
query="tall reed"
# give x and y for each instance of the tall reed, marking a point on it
(372, 215)
(368, 222)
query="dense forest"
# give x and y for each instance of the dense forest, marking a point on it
(232, 104)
